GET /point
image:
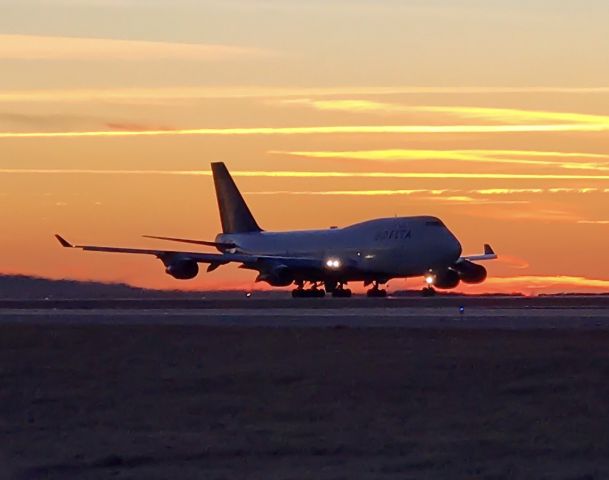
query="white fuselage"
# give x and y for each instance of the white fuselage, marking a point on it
(392, 247)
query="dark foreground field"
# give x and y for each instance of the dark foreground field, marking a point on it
(191, 402)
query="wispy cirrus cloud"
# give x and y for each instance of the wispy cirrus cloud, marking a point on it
(349, 193)
(314, 174)
(514, 115)
(594, 222)
(144, 93)
(503, 121)
(549, 215)
(503, 116)
(346, 105)
(321, 130)
(414, 192)
(32, 47)
(515, 157)
(469, 200)
(452, 197)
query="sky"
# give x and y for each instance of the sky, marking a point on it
(491, 114)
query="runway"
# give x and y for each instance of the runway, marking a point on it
(505, 313)
(396, 388)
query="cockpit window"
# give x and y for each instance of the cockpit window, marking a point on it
(434, 223)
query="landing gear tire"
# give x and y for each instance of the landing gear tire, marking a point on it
(428, 292)
(376, 293)
(341, 293)
(311, 293)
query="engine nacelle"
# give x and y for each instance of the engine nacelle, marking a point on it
(279, 276)
(182, 269)
(446, 279)
(470, 272)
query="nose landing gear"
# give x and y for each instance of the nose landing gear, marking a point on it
(428, 291)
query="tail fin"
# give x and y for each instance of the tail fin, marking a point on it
(234, 213)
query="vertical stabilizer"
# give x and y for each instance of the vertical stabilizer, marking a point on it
(234, 213)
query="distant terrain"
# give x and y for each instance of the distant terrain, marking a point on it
(24, 287)
(21, 287)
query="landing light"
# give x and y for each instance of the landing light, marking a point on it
(429, 280)
(333, 263)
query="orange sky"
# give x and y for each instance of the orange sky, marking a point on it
(493, 116)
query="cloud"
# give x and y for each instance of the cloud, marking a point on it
(529, 214)
(594, 222)
(468, 200)
(351, 106)
(135, 127)
(517, 157)
(414, 192)
(54, 121)
(245, 91)
(31, 47)
(503, 116)
(312, 174)
(35, 121)
(321, 130)
(532, 284)
(515, 116)
(435, 195)
(348, 193)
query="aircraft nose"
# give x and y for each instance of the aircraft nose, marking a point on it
(457, 248)
(454, 247)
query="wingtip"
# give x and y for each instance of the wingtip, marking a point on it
(64, 243)
(488, 250)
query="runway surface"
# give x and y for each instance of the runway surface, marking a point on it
(515, 388)
(511, 313)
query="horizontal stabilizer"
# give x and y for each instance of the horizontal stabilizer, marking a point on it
(489, 254)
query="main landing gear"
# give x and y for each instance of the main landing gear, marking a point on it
(376, 292)
(428, 291)
(313, 292)
(340, 291)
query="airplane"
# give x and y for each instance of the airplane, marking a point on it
(372, 251)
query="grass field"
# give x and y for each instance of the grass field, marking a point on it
(161, 402)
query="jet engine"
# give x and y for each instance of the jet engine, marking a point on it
(182, 269)
(470, 272)
(446, 279)
(278, 276)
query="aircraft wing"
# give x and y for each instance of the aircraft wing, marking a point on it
(195, 242)
(489, 254)
(215, 259)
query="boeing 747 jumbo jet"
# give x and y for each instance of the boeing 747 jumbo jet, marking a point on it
(373, 251)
